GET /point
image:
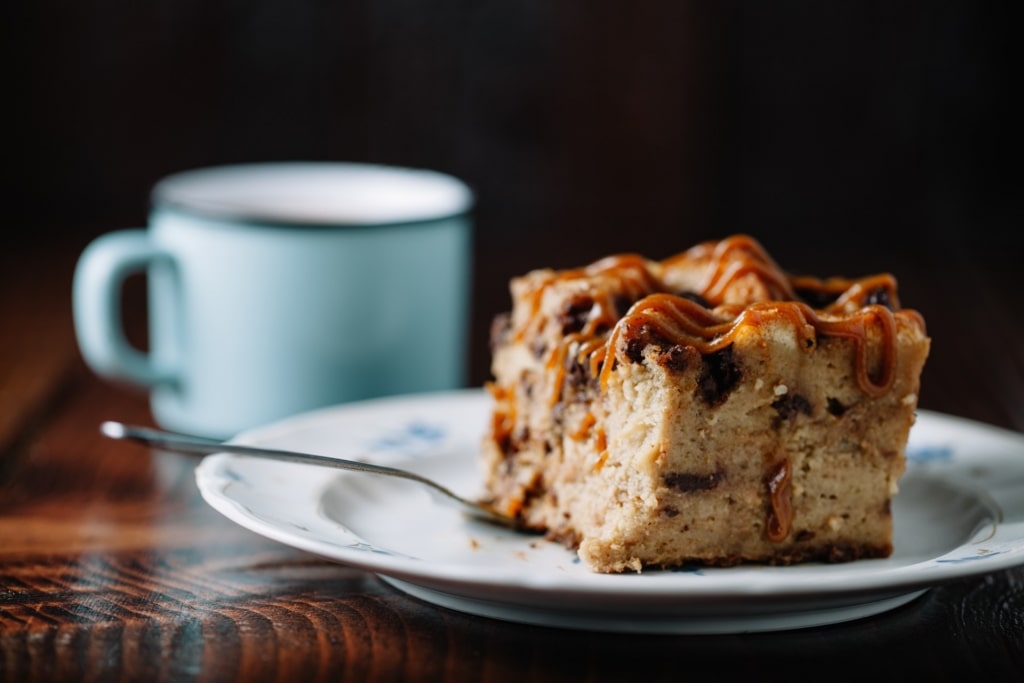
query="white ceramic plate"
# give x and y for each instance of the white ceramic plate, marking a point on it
(959, 513)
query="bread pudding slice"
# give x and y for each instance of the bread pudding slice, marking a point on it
(707, 408)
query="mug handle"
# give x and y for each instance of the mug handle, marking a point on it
(99, 277)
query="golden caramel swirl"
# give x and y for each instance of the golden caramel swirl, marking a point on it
(681, 322)
(741, 286)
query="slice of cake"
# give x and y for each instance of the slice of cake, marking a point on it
(708, 408)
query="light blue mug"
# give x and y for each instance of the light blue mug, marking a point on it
(278, 288)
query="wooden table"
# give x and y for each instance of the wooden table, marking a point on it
(113, 568)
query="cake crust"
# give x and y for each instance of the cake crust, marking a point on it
(708, 408)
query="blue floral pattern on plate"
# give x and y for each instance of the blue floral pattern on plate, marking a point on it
(413, 439)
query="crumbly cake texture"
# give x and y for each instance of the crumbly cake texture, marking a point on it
(705, 409)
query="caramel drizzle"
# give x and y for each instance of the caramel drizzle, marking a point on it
(683, 322)
(637, 280)
(601, 446)
(584, 428)
(780, 493)
(630, 269)
(737, 256)
(680, 321)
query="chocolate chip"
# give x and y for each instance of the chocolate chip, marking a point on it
(577, 312)
(803, 535)
(719, 375)
(790, 405)
(835, 407)
(675, 358)
(688, 482)
(635, 349)
(576, 374)
(695, 298)
(817, 298)
(507, 445)
(578, 378)
(622, 304)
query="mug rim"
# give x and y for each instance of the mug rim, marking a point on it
(272, 193)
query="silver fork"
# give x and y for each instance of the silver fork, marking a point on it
(197, 445)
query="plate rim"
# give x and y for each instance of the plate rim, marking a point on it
(851, 584)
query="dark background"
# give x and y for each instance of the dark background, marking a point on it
(869, 133)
